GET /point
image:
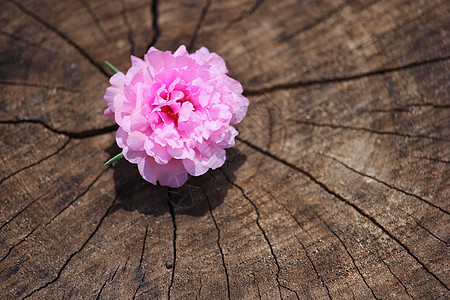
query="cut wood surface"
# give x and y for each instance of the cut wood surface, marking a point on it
(338, 186)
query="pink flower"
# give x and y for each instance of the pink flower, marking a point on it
(175, 113)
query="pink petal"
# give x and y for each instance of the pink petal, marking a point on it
(185, 111)
(136, 140)
(173, 174)
(121, 137)
(138, 122)
(132, 156)
(196, 167)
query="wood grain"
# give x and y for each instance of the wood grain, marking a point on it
(338, 186)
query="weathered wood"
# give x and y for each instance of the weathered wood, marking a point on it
(338, 186)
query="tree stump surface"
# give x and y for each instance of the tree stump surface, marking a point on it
(337, 187)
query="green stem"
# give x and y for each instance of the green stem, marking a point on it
(114, 69)
(115, 158)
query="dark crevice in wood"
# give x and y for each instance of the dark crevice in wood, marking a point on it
(128, 25)
(37, 162)
(114, 274)
(349, 254)
(374, 131)
(94, 17)
(398, 279)
(218, 244)
(27, 42)
(258, 224)
(390, 111)
(433, 105)
(140, 272)
(155, 26)
(353, 294)
(74, 135)
(38, 85)
(246, 13)
(199, 289)
(383, 34)
(314, 267)
(424, 228)
(109, 279)
(318, 21)
(61, 35)
(174, 242)
(291, 290)
(101, 289)
(79, 196)
(271, 122)
(199, 25)
(303, 246)
(257, 287)
(433, 159)
(432, 234)
(300, 84)
(77, 251)
(386, 184)
(342, 199)
(23, 209)
(125, 265)
(18, 243)
(289, 213)
(408, 108)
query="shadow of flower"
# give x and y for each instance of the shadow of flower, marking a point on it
(134, 193)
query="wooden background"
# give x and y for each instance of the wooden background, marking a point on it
(338, 186)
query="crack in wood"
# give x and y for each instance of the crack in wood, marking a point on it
(322, 281)
(109, 279)
(303, 246)
(140, 272)
(398, 279)
(218, 244)
(128, 25)
(318, 21)
(70, 134)
(23, 209)
(155, 26)
(94, 18)
(79, 196)
(382, 35)
(174, 224)
(115, 272)
(386, 184)
(61, 35)
(432, 234)
(257, 286)
(58, 275)
(373, 131)
(349, 254)
(342, 199)
(27, 42)
(36, 163)
(38, 85)
(258, 224)
(199, 25)
(17, 244)
(306, 83)
(101, 289)
(424, 228)
(433, 159)
(245, 13)
(199, 290)
(408, 108)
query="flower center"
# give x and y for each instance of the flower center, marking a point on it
(169, 111)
